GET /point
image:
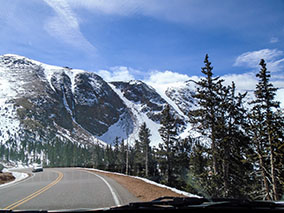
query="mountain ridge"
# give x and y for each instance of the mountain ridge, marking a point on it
(42, 96)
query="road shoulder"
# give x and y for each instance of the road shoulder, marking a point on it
(141, 189)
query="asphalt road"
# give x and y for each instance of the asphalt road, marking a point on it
(64, 188)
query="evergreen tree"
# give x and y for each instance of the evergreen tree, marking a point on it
(220, 118)
(265, 128)
(116, 154)
(198, 170)
(182, 150)
(144, 138)
(279, 149)
(205, 118)
(109, 158)
(122, 157)
(234, 144)
(208, 119)
(138, 167)
(168, 133)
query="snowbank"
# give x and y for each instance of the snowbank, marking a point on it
(18, 177)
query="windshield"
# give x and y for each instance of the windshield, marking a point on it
(106, 103)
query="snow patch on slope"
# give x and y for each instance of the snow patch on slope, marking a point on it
(9, 124)
(138, 118)
(49, 71)
(9, 85)
(119, 129)
(161, 90)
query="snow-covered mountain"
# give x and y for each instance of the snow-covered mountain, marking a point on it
(44, 104)
(40, 102)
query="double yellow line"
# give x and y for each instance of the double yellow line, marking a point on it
(35, 194)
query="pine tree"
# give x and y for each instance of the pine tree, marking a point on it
(182, 150)
(122, 157)
(200, 174)
(138, 167)
(116, 154)
(205, 118)
(264, 126)
(279, 146)
(220, 118)
(234, 144)
(144, 138)
(109, 158)
(168, 133)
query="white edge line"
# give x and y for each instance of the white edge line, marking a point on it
(115, 198)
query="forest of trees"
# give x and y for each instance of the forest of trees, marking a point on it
(239, 152)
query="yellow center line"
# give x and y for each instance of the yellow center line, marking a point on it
(35, 194)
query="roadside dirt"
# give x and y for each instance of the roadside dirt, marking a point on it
(6, 177)
(139, 188)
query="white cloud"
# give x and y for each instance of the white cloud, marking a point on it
(166, 77)
(245, 81)
(120, 73)
(65, 25)
(161, 80)
(277, 65)
(252, 59)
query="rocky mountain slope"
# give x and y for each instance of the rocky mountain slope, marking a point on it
(48, 101)
(40, 103)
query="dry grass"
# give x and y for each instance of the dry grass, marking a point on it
(139, 188)
(6, 177)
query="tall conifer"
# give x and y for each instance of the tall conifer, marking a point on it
(263, 114)
(168, 133)
(205, 118)
(144, 138)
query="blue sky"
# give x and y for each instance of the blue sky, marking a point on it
(144, 39)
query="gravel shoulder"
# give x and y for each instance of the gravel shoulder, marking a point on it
(139, 188)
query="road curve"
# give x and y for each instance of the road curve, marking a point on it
(64, 188)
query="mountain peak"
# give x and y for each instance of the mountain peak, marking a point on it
(12, 60)
(12, 55)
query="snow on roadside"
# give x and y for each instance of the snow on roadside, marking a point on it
(150, 182)
(18, 177)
